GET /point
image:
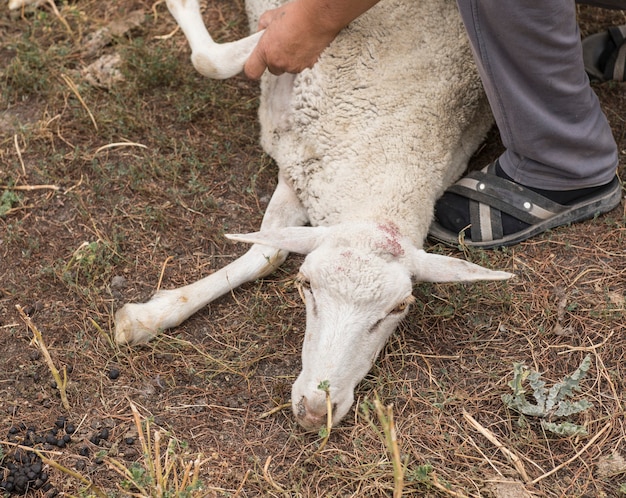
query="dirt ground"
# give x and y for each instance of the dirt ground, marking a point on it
(120, 171)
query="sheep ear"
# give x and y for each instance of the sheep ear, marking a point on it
(437, 268)
(302, 240)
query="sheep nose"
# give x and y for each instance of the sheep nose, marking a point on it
(310, 417)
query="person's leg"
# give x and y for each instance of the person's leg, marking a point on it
(556, 136)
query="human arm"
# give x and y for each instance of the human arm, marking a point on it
(297, 33)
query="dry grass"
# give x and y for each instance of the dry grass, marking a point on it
(108, 194)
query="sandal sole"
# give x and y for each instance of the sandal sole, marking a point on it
(581, 211)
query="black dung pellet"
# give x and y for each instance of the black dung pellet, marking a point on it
(83, 451)
(104, 433)
(70, 429)
(67, 438)
(129, 440)
(61, 443)
(114, 373)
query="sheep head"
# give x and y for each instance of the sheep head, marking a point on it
(357, 282)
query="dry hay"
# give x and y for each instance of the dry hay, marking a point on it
(116, 191)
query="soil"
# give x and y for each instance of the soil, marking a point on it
(121, 175)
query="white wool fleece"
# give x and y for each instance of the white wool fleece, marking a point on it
(412, 123)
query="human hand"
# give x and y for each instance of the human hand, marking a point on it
(293, 40)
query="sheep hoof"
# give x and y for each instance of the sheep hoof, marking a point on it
(130, 328)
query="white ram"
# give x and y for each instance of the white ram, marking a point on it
(365, 142)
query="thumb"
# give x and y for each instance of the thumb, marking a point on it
(255, 65)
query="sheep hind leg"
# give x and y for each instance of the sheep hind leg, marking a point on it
(139, 322)
(214, 60)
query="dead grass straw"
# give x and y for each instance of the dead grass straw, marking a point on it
(61, 382)
(510, 455)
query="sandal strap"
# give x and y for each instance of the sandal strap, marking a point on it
(616, 64)
(490, 196)
(486, 222)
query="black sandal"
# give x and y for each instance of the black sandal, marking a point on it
(490, 196)
(604, 54)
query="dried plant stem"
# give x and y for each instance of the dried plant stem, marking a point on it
(162, 274)
(434, 481)
(60, 17)
(329, 421)
(31, 187)
(385, 416)
(117, 145)
(19, 154)
(274, 410)
(567, 462)
(512, 457)
(268, 477)
(61, 382)
(72, 86)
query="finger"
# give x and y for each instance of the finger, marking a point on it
(255, 65)
(266, 18)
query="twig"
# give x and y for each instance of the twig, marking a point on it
(567, 462)
(512, 457)
(61, 383)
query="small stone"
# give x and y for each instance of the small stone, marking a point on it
(118, 282)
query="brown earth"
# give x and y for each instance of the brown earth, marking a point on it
(125, 176)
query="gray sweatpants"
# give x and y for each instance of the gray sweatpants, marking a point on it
(529, 57)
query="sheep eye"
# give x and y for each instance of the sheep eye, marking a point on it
(404, 305)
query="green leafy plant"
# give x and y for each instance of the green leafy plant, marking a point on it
(550, 404)
(7, 200)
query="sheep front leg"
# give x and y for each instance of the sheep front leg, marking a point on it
(137, 323)
(214, 60)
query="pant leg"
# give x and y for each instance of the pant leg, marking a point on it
(529, 57)
(607, 4)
